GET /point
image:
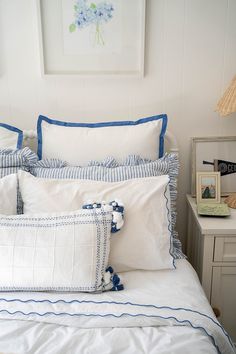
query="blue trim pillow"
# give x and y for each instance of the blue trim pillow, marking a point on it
(10, 137)
(110, 170)
(77, 143)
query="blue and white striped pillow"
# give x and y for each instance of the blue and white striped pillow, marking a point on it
(110, 171)
(11, 161)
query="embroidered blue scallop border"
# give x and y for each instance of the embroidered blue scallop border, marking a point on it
(119, 303)
(118, 316)
(16, 130)
(100, 125)
(169, 224)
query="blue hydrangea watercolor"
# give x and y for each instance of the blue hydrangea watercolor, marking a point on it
(92, 14)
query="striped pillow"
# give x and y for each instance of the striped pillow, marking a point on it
(11, 161)
(110, 171)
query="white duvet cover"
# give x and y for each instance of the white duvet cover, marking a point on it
(158, 312)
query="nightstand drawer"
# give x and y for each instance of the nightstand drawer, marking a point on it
(225, 249)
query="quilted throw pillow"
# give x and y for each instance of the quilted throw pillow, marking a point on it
(110, 170)
(11, 161)
(58, 252)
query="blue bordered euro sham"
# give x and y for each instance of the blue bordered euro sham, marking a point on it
(77, 143)
(58, 252)
(110, 170)
(10, 137)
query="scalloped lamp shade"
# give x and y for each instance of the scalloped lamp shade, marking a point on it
(227, 104)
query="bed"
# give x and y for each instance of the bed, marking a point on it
(159, 311)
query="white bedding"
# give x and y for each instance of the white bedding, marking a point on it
(158, 312)
(31, 338)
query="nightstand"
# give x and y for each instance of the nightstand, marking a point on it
(211, 249)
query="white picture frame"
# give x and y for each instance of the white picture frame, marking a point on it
(110, 47)
(206, 152)
(208, 187)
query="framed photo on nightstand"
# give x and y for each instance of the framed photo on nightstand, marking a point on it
(208, 187)
(215, 154)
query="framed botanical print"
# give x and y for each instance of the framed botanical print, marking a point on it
(84, 37)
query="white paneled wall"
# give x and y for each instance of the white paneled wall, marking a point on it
(190, 58)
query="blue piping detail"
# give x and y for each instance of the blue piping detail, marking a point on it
(113, 315)
(100, 125)
(162, 135)
(16, 130)
(122, 303)
(169, 224)
(40, 137)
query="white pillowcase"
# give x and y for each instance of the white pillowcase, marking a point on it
(59, 252)
(77, 143)
(143, 243)
(10, 137)
(8, 195)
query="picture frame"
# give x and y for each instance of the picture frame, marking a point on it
(92, 45)
(208, 187)
(213, 154)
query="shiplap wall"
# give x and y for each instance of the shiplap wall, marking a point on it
(190, 57)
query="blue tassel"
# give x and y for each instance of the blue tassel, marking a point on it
(120, 209)
(87, 206)
(113, 228)
(92, 206)
(116, 283)
(115, 280)
(116, 207)
(110, 270)
(118, 287)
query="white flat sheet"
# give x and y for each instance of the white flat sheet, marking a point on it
(25, 337)
(169, 306)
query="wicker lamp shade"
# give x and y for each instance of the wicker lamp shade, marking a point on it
(227, 104)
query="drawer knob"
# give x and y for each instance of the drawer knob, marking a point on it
(216, 311)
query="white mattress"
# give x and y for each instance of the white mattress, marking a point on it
(158, 312)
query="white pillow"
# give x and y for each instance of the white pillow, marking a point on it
(77, 143)
(10, 137)
(143, 243)
(59, 252)
(8, 195)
